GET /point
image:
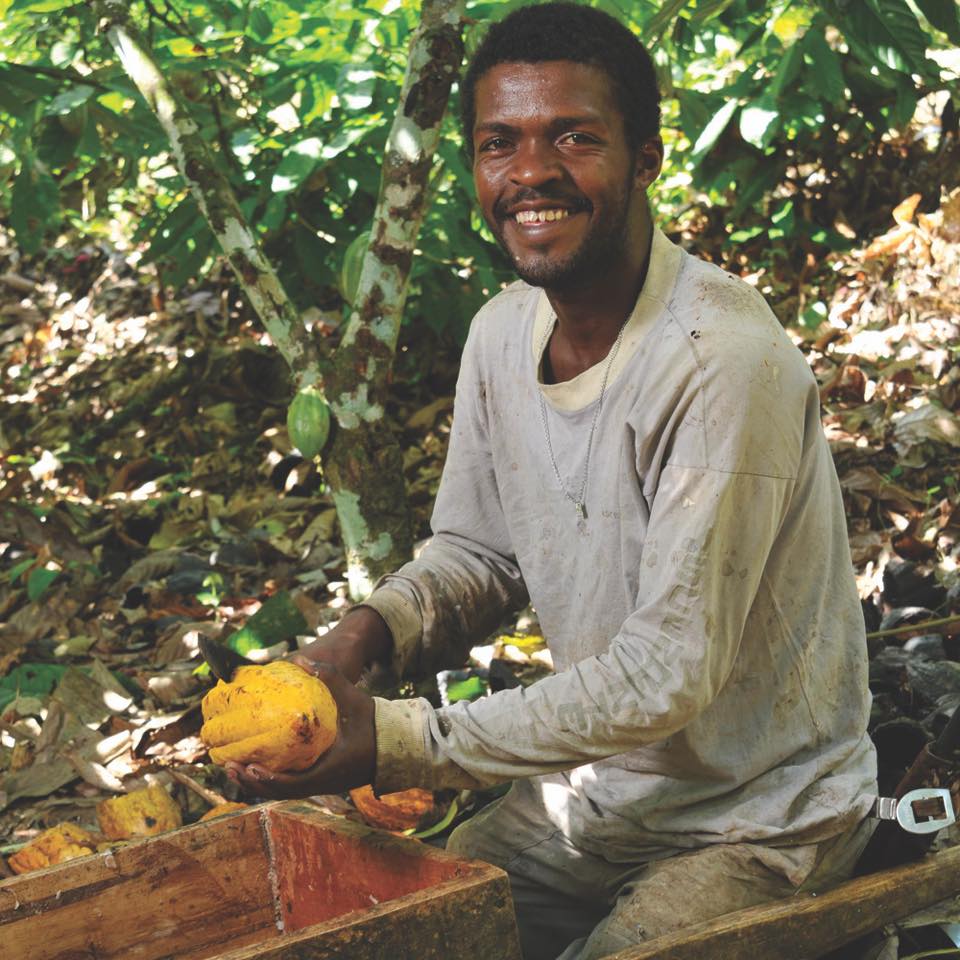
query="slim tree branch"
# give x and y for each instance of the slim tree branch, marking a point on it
(214, 195)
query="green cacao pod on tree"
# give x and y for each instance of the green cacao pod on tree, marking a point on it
(308, 422)
(352, 266)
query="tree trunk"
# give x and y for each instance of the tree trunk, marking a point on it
(363, 463)
(365, 469)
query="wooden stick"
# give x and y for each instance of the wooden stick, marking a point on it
(907, 627)
(807, 925)
(211, 796)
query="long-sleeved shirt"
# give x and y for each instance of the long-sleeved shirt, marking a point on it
(711, 668)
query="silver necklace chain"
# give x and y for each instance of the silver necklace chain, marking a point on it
(580, 500)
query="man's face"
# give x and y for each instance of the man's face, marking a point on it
(556, 180)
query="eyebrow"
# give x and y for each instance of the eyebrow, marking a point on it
(555, 126)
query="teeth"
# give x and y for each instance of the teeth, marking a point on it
(540, 216)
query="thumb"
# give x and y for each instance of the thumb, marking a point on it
(327, 673)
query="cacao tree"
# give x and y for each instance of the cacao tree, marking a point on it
(364, 465)
(772, 110)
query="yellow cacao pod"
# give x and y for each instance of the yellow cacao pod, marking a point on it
(308, 422)
(221, 810)
(65, 841)
(142, 813)
(276, 715)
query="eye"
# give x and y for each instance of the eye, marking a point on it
(493, 144)
(577, 138)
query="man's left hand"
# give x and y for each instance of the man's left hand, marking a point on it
(350, 762)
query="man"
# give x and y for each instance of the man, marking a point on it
(637, 449)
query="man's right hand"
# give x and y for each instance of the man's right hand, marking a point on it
(359, 640)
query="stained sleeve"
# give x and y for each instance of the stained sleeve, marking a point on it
(465, 580)
(710, 532)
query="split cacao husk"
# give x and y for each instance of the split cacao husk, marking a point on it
(413, 809)
(65, 841)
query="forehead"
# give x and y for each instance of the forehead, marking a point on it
(523, 92)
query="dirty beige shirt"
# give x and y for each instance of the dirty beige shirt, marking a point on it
(711, 665)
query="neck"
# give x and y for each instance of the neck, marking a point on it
(590, 316)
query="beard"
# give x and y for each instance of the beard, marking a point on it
(600, 249)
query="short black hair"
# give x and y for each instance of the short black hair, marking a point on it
(568, 31)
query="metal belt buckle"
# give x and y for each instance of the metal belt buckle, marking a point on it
(932, 803)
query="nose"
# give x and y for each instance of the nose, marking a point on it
(535, 161)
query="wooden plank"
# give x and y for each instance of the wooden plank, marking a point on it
(179, 894)
(807, 925)
(326, 866)
(468, 917)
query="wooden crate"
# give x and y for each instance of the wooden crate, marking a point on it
(806, 925)
(281, 881)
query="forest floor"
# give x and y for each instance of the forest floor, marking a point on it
(150, 496)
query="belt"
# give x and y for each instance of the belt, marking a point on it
(926, 810)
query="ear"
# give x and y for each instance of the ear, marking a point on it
(648, 162)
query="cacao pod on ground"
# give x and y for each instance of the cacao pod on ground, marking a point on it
(142, 813)
(221, 810)
(65, 841)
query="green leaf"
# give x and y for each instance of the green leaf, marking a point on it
(944, 15)
(40, 578)
(297, 164)
(181, 222)
(471, 689)
(711, 132)
(30, 680)
(69, 100)
(56, 145)
(13, 574)
(787, 70)
(826, 65)
(34, 206)
(40, 6)
(709, 8)
(278, 619)
(345, 138)
(759, 122)
(185, 47)
(741, 236)
(114, 101)
(260, 24)
(884, 32)
(199, 246)
(661, 19)
(442, 825)
(696, 110)
(355, 86)
(784, 217)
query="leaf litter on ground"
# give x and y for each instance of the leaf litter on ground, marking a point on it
(151, 496)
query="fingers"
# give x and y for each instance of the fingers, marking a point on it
(304, 663)
(349, 762)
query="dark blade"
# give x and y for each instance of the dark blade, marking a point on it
(222, 660)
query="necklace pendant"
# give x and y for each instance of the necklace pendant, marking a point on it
(581, 510)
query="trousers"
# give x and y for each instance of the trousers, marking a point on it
(574, 905)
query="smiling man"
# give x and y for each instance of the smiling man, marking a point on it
(637, 451)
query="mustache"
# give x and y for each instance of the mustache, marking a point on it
(504, 205)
